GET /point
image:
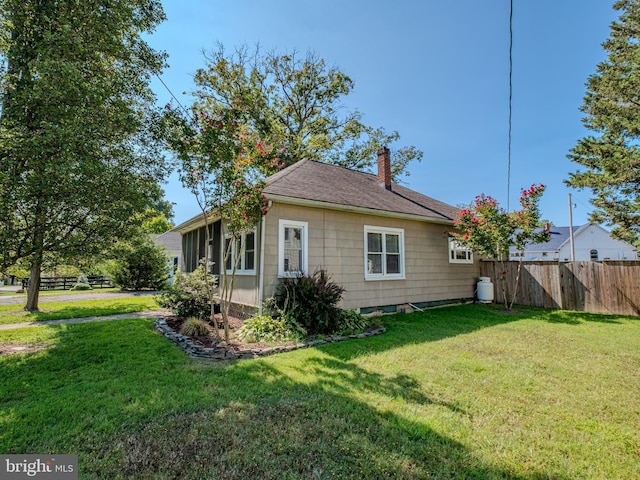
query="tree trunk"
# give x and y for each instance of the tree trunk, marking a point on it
(33, 291)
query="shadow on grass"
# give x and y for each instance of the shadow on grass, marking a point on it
(131, 405)
(427, 326)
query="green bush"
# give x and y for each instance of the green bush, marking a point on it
(312, 301)
(351, 322)
(140, 264)
(189, 295)
(82, 286)
(194, 327)
(265, 328)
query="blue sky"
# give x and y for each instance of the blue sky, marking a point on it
(436, 73)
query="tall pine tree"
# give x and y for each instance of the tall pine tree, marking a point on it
(611, 157)
(77, 157)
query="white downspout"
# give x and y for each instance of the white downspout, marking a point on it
(261, 273)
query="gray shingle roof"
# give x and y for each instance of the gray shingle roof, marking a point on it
(171, 240)
(339, 186)
(559, 235)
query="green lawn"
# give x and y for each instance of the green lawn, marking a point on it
(451, 393)
(76, 309)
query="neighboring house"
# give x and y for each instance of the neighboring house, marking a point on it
(386, 244)
(172, 243)
(591, 242)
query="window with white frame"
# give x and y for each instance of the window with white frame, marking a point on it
(459, 253)
(292, 248)
(383, 253)
(245, 248)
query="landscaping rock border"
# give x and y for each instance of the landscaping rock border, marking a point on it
(198, 351)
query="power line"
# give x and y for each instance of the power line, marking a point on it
(172, 95)
(510, 100)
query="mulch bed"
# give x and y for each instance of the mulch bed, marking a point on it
(211, 341)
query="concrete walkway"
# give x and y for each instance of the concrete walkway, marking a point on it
(160, 312)
(93, 295)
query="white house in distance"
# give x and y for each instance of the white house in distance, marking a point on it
(590, 241)
(172, 243)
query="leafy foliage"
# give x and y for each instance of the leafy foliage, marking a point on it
(490, 230)
(189, 295)
(312, 300)
(78, 158)
(223, 163)
(297, 100)
(611, 157)
(194, 327)
(140, 265)
(266, 328)
(351, 322)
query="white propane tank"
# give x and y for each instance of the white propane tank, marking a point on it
(485, 290)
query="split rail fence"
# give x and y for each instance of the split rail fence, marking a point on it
(610, 286)
(67, 282)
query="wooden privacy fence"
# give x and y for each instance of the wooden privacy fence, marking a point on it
(610, 286)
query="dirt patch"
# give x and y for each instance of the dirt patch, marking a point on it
(7, 348)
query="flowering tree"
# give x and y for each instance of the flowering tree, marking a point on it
(489, 230)
(223, 164)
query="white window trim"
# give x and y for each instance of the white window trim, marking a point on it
(456, 247)
(282, 224)
(384, 276)
(234, 253)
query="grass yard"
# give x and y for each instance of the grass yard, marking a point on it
(77, 309)
(452, 393)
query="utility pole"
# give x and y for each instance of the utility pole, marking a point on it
(573, 253)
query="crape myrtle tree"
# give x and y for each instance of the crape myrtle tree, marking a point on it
(78, 159)
(223, 162)
(610, 157)
(298, 100)
(489, 230)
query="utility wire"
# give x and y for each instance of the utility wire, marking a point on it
(510, 100)
(172, 95)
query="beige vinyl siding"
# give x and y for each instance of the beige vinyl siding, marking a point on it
(336, 243)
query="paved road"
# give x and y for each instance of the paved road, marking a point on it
(94, 295)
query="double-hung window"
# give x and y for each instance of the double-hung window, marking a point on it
(292, 248)
(245, 248)
(459, 253)
(383, 253)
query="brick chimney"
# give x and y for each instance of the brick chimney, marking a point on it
(384, 167)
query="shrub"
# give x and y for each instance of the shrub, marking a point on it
(194, 327)
(312, 301)
(82, 286)
(140, 264)
(351, 322)
(265, 328)
(190, 295)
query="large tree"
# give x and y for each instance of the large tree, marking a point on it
(298, 100)
(611, 156)
(78, 162)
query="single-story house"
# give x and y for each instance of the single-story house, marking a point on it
(387, 245)
(590, 243)
(171, 241)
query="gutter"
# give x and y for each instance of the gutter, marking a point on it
(349, 208)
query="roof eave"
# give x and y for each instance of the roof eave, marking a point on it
(351, 208)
